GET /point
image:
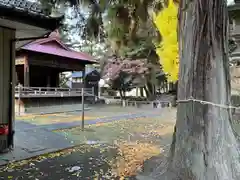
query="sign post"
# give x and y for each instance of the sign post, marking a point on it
(83, 78)
(82, 109)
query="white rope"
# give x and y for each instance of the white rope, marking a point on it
(206, 102)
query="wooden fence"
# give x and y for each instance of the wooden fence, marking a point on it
(26, 92)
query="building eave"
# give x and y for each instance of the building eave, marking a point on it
(34, 19)
(82, 60)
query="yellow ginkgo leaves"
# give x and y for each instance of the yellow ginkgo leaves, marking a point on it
(167, 50)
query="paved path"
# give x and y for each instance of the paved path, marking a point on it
(66, 125)
(94, 116)
(82, 162)
(33, 140)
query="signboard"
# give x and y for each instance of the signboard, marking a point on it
(20, 60)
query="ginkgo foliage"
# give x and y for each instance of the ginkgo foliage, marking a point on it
(167, 50)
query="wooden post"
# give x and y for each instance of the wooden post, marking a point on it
(19, 99)
(26, 72)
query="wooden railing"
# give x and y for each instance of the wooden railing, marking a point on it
(52, 92)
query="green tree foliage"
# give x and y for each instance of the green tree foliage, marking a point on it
(118, 20)
(123, 25)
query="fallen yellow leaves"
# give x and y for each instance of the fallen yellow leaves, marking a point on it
(54, 119)
(16, 164)
(164, 130)
(119, 147)
(132, 156)
(32, 116)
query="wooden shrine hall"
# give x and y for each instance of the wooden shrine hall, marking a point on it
(38, 68)
(39, 63)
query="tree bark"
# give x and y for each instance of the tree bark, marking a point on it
(121, 94)
(204, 146)
(146, 91)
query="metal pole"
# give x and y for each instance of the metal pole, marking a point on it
(83, 81)
(93, 94)
(83, 108)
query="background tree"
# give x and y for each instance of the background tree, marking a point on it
(124, 26)
(167, 49)
(121, 73)
(122, 84)
(72, 32)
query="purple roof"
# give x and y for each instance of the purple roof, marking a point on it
(59, 52)
(54, 46)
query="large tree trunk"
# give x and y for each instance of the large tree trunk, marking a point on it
(204, 146)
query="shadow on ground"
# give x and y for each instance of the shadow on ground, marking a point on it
(85, 162)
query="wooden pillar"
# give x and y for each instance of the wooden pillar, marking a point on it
(48, 80)
(7, 84)
(26, 72)
(57, 79)
(16, 78)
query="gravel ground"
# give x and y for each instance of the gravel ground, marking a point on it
(115, 150)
